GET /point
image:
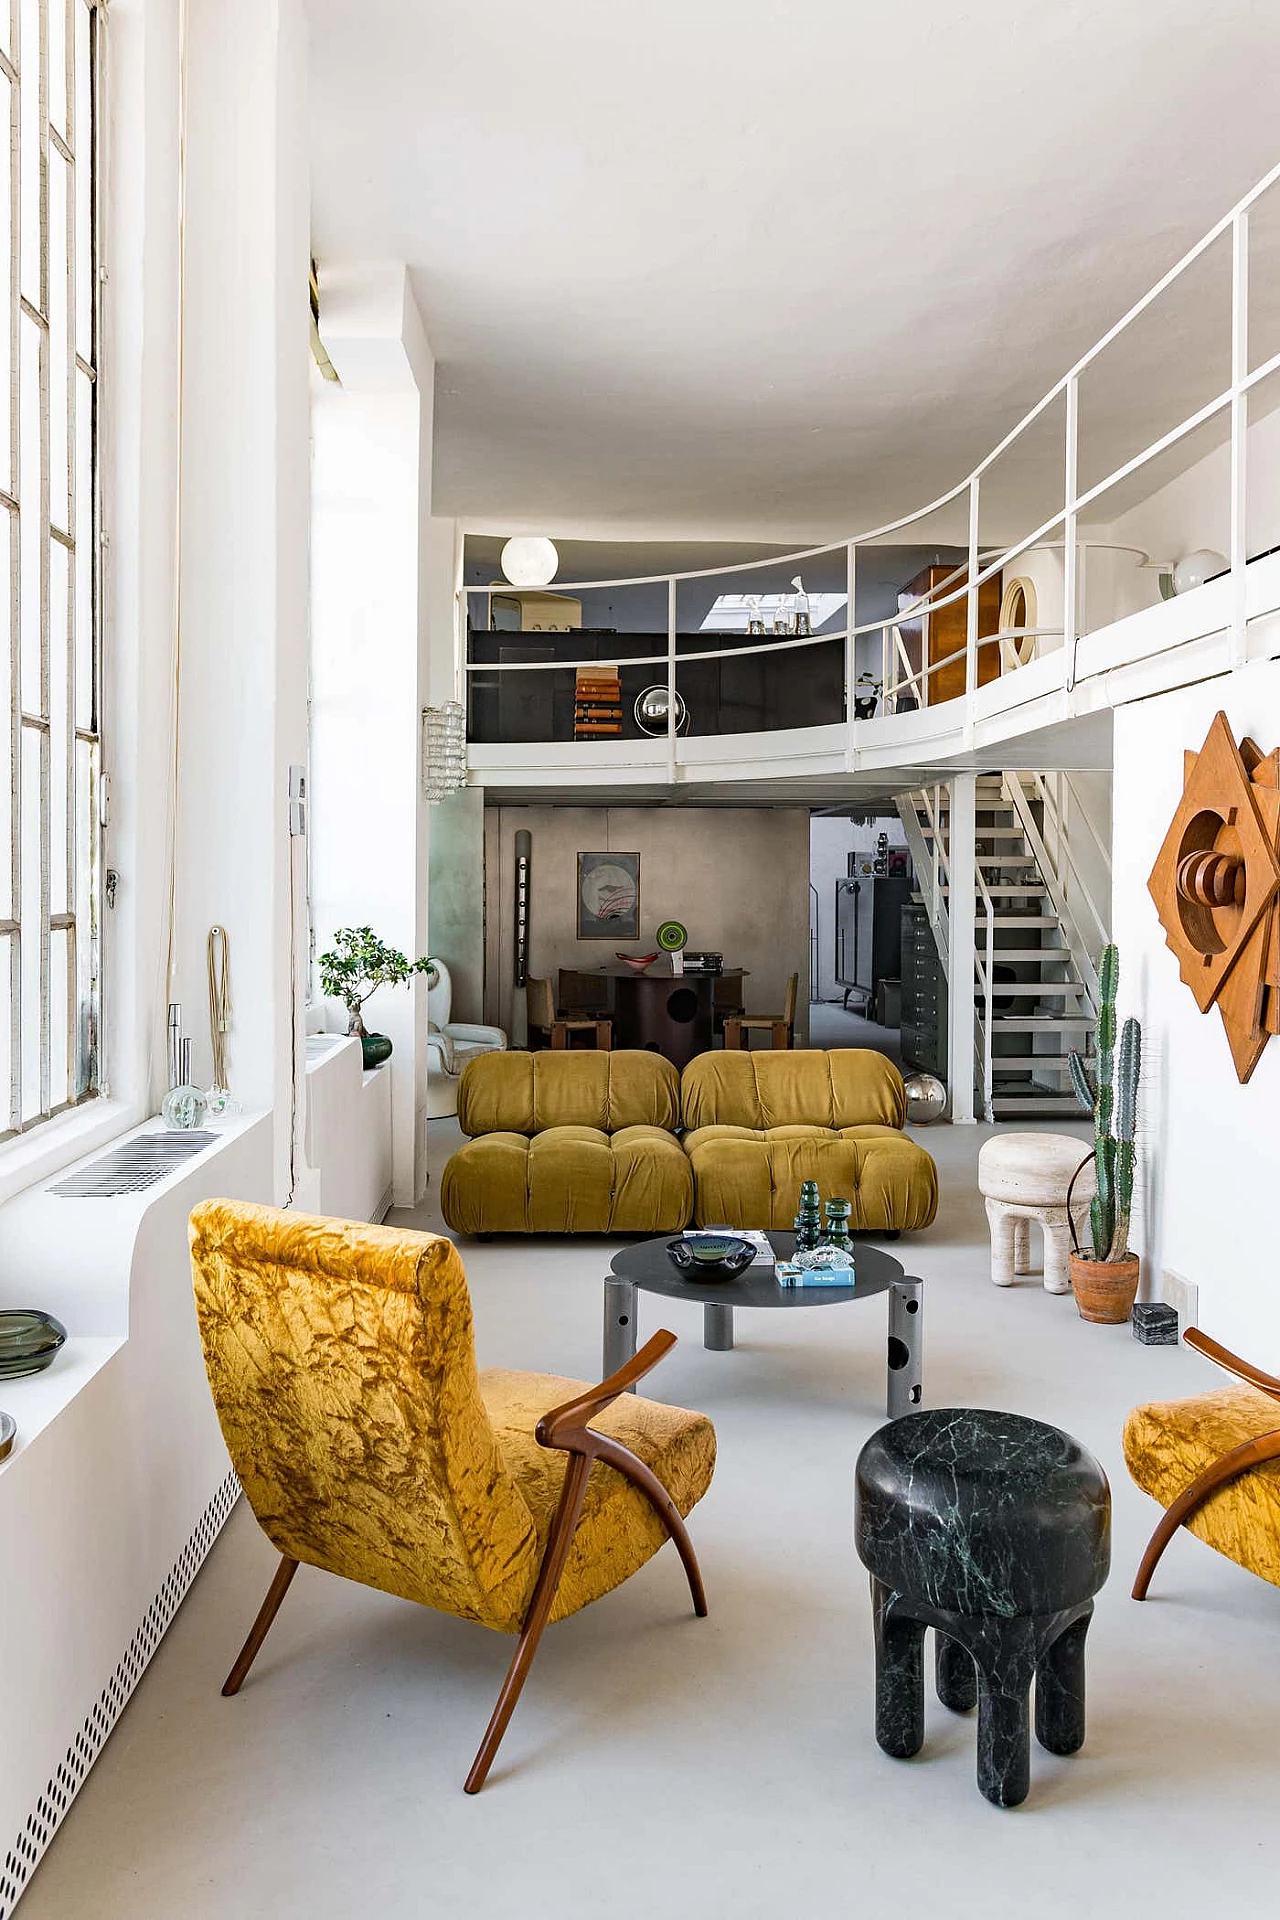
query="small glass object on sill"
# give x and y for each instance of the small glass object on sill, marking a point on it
(30, 1340)
(184, 1106)
(8, 1434)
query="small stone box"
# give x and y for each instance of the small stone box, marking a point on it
(1155, 1323)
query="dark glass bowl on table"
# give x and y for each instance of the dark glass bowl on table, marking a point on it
(711, 1256)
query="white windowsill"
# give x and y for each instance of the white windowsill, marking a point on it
(55, 1144)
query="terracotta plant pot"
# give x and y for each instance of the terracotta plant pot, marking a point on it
(1105, 1290)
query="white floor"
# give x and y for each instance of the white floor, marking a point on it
(663, 1765)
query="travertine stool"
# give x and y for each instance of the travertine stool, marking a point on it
(1024, 1177)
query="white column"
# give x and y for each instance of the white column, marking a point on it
(960, 976)
(371, 488)
(242, 657)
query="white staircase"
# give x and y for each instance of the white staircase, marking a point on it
(1035, 980)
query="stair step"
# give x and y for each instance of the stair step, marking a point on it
(1023, 956)
(1042, 1062)
(1034, 1100)
(1008, 889)
(1042, 989)
(1006, 860)
(1020, 920)
(1037, 1022)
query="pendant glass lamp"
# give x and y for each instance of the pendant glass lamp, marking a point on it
(529, 561)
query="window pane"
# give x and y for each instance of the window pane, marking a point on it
(49, 673)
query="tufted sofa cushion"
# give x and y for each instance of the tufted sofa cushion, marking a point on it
(839, 1087)
(763, 1123)
(569, 1179)
(529, 1092)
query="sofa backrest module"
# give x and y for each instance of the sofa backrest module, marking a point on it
(529, 1092)
(840, 1087)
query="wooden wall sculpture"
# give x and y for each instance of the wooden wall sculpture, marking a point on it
(1216, 885)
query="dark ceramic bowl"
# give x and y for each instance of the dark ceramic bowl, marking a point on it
(721, 1256)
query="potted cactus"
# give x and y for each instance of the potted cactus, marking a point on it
(1104, 1275)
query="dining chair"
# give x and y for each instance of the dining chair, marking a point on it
(555, 1028)
(779, 1026)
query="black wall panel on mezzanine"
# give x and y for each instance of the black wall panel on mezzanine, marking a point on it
(802, 687)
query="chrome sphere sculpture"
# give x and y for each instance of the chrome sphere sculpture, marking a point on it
(926, 1098)
(651, 711)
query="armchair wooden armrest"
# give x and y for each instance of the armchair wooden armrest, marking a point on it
(1229, 1466)
(1231, 1363)
(562, 1424)
(566, 1428)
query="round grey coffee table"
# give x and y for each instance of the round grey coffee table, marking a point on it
(647, 1268)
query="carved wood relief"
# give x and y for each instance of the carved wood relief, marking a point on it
(1216, 885)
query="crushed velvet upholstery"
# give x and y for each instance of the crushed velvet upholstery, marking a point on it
(569, 1143)
(529, 1092)
(763, 1123)
(1167, 1444)
(342, 1366)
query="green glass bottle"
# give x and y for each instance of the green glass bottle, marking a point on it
(836, 1233)
(808, 1222)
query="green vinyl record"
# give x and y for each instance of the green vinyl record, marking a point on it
(672, 937)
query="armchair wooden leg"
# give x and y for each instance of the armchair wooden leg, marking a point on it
(733, 1035)
(544, 1593)
(1229, 1467)
(626, 1463)
(261, 1626)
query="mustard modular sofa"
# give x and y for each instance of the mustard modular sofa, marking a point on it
(587, 1142)
(760, 1123)
(569, 1143)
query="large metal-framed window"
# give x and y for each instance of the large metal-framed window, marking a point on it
(50, 668)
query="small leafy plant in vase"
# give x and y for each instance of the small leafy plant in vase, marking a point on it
(1104, 1275)
(356, 965)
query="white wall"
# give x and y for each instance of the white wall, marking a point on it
(1210, 1163)
(369, 657)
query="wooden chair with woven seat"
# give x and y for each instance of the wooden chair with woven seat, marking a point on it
(343, 1371)
(556, 1028)
(779, 1026)
(1213, 1462)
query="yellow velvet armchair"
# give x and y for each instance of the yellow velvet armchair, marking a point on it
(343, 1370)
(1213, 1462)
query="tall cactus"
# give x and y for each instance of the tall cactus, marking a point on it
(1113, 1094)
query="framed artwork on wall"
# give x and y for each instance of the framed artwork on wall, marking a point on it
(608, 896)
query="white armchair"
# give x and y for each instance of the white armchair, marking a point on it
(450, 1044)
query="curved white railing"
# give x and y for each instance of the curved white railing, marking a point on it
(983, 562)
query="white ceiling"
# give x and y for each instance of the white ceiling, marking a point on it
(779, 270)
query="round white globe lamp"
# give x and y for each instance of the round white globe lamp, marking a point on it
(529, 561)
(1197, 567)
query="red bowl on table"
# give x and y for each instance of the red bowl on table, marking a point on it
(638, 962)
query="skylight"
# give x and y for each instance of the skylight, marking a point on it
(731, 612)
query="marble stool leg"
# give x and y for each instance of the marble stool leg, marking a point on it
(1021, 1243)
(955, 1675)
(1060, 1689)
(1005, 1668)
(1002, 1262)
(1057, 1250)
(899, 1676)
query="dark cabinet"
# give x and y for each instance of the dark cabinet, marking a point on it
(924, 995)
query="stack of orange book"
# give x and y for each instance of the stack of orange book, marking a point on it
(597, 702)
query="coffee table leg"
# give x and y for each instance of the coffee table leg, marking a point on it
(619, 1324)
(906, 1346)
(717, 1328)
